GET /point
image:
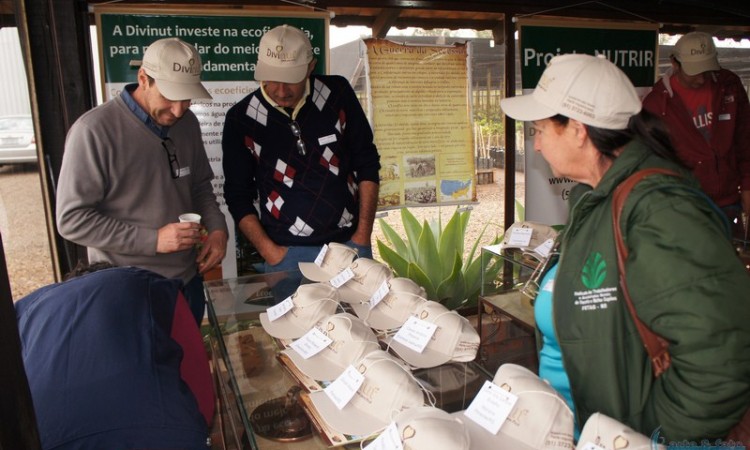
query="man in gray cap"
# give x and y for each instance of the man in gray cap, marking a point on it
(133, 165)
(299, 147)
(706, 110)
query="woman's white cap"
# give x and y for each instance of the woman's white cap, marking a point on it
(586, 88)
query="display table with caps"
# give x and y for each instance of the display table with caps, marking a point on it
(261, 397)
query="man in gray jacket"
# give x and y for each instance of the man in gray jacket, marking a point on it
(133, 165)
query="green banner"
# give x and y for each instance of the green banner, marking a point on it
(632, 50)
(228, 44)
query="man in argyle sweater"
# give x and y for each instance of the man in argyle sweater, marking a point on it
(300, 165)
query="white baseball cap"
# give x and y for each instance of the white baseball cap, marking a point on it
(430, 428)
(284, 54)
(312, 303)
(388, 389)
(696, 53)
(539, 234)
(540, 419)
(403, 297)
(369, 275)
(455, 339)
(337, 258)
(586, 88)
(609, 434)
(351, 340)
(176, 67)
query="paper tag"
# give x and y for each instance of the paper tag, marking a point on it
(591, 446)
(311, 343)
(388, 440)
(325, 140)
(549, 286)
(379, 294)
(545, 247)
(415, 333)
(341, 279)
(321, 255)
(276, 311)
(491, 406)
(520, 237)
(343, 388)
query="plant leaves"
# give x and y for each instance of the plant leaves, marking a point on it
(418, 276)
(450, 245)
(427, 256)
(452, 290)
(393, 259)
(413, 229)
(393, 238)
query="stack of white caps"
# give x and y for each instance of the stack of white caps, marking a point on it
(428, 428)
(608, 434)
(351, 340)
(369, 275)
(337, 258)
(312, 303)
(454, 339)
(540, 419)
(403, 297)
(388, 389)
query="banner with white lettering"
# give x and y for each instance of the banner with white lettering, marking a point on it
(632, 47)
(228, 43)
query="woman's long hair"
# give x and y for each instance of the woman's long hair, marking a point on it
(643, 126)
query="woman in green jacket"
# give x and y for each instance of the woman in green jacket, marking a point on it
(685, 280)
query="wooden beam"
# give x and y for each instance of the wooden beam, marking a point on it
(384, 21)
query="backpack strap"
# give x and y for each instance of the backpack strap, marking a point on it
(656, 346)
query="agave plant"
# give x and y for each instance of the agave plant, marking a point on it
(433, 257)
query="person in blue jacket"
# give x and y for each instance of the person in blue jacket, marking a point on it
(115, 360)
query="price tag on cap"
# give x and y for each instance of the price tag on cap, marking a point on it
(520, 237)
(387, 440)
(415, 333)
(341, 279)
(321, 255)
(311, 343)
(343, 388)
(491, 406)
(545, 247)
(276, 311)
(379, 294)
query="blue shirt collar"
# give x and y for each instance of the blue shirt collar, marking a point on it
(142, 115)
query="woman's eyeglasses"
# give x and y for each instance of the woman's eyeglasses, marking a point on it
(297, 132)
(174, 164)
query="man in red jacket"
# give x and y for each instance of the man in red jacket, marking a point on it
(706, 110)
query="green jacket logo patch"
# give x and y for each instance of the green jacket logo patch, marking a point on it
(594, 271)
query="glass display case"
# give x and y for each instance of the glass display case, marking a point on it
(258, 390)
(506, 317)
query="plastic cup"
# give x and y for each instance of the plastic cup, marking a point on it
(190, 217)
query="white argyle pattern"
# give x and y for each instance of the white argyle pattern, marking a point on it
(346, 219)
(320, 94)
(256, 111)
(300, 228)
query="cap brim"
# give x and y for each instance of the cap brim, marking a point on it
(177, 92)
(314, 272)
(282, 328)
(292, 74)
(481, 439)
(351, 295)
(317, 367)
(697, 67)
(428, 358)
(349, 420)
(526, 108)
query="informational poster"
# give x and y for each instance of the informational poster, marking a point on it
(228, 42)
(632, 47)
(421, 117)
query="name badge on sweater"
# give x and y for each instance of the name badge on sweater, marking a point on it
(184, 171)
(327, 139)
(725, 116)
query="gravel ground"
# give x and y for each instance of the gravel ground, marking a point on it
(27, 253)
